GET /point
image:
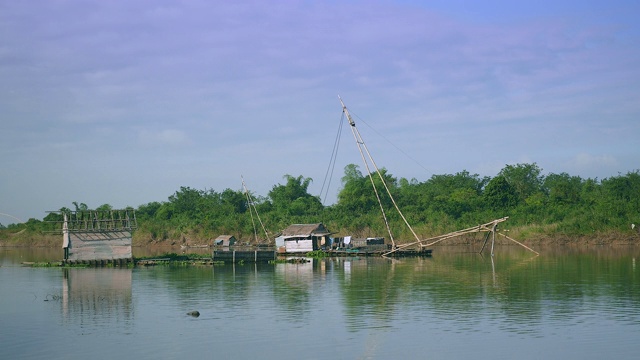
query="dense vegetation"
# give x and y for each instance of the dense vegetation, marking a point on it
(537, 206)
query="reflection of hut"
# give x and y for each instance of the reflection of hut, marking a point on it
(301, 238)
(224, 240)
(87, 292)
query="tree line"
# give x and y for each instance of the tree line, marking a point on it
(537, 205)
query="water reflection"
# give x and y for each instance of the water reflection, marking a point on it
(523, 291)
(294, 285)
(565, 303)
(96, 297)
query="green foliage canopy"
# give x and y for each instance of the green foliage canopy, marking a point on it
(443, 203)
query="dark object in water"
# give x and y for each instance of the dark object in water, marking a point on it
(194, 313)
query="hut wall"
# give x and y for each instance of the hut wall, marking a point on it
(98, 245)
(361, 242)
(299, 246)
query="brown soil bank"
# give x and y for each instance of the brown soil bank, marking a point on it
(25, 239)
(605, 239)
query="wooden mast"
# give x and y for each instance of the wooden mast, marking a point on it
(490, 227)
(362, 147)
(252, 208)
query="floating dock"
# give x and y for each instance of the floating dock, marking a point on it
(123, 262)
(378, 252)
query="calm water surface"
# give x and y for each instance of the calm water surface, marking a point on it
(564, 304)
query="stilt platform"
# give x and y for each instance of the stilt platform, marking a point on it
(99, 263)
(379, 252)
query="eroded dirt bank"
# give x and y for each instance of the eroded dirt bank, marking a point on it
(610, 238)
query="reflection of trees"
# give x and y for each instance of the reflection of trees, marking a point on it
(235, 284)
(512, 291)
(232, 289)
(97, 296)
(371, 290)
(292, 287)
(229, 285)
(516, 291)
(453, 286)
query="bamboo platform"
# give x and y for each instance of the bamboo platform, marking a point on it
(379, 252)
(99, 263)
(168, 261)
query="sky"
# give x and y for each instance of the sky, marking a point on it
(124, 102)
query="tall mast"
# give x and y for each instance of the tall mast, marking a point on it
(362, 147)
(252, 208)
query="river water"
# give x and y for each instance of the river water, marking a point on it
(564, 304)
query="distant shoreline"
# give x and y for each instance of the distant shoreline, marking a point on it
(603, 239)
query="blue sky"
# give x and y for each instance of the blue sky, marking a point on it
(125, 102)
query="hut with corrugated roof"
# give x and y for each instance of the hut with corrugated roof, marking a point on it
(224, 240)
(302, 238)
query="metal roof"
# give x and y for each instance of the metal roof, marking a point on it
(305, 230)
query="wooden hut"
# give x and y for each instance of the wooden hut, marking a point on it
(224, 240)
(97, 236)
(302, 238)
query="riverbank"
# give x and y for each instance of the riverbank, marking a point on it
(28, 239)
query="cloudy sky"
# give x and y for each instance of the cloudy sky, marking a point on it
(124, 102)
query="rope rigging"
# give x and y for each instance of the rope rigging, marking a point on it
(252, 209)
(362, 147)
(369, 163)
(332, 164)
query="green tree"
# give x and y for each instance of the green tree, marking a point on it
(453, 194)
(623, 187)
(235, 201)
(500, 194)
(148, 211)
(81, 206)
(526, 179)
(185, 201)
(357, 195)
(104, 207)
(619, 200)
(563, 188)
(293, 198)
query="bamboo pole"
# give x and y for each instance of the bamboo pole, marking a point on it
(493, 237)
(486, 239)
(489, 227)
(521, 244)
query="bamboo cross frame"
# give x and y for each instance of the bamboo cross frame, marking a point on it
(489, 228)
(97, 220)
